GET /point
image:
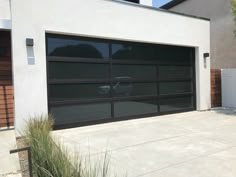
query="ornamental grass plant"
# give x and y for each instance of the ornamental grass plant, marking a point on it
(50, 158)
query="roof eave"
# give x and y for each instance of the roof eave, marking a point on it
(172, 4)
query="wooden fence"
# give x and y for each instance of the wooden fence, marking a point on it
(6, 87)
(216, 100)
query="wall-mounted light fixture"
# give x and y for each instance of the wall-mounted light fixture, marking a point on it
(30, 51)
(205, 55)
(29, 42)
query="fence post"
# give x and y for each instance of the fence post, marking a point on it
(28, 149)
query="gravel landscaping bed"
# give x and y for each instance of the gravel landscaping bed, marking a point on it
(23, 156)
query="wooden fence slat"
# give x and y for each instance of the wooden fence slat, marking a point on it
(5, 102)
(215, 87)
(6, 106)
(6, 92)
(5, 111)
(5, 82)
(4, 120)
(5, 125)
(6, 97)
(5, 115)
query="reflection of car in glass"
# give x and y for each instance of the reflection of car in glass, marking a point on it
(119, 88)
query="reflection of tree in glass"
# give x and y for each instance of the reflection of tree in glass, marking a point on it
(81, 50)
(139, 52)
(124, 53)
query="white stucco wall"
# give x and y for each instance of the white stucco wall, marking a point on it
(95, 18)
(5, 14)
(228, 88)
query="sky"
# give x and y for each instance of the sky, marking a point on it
(158, 3)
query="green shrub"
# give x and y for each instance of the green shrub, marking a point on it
(233, 6)
(233, 10)
(51, 159)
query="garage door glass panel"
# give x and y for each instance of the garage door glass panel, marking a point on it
(175, 87)
(176, 104)
(173, 54)
(142, 72)
(175, 72)
(132, 51)
(62, 70)
(77, 47)
(81, 113)
(124, 89)
(131, 108)
(63, 92)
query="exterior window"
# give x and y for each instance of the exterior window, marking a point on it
(176, 104)
(71, 114)
(62, 92)
(125, 89)
(132, 51)
(132, 107)
(77, 47)
(174, 55)
(175, 72)
(65, 70)
(175, 87)
(142, 72)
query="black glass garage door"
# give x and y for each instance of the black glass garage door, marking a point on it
(92, 80)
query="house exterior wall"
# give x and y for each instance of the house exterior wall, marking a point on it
(94, 18)
(228, 88)
(5, 14)
(223, 40)
(5, 9)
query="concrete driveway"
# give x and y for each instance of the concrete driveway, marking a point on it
(193, 144)
(9, 163)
